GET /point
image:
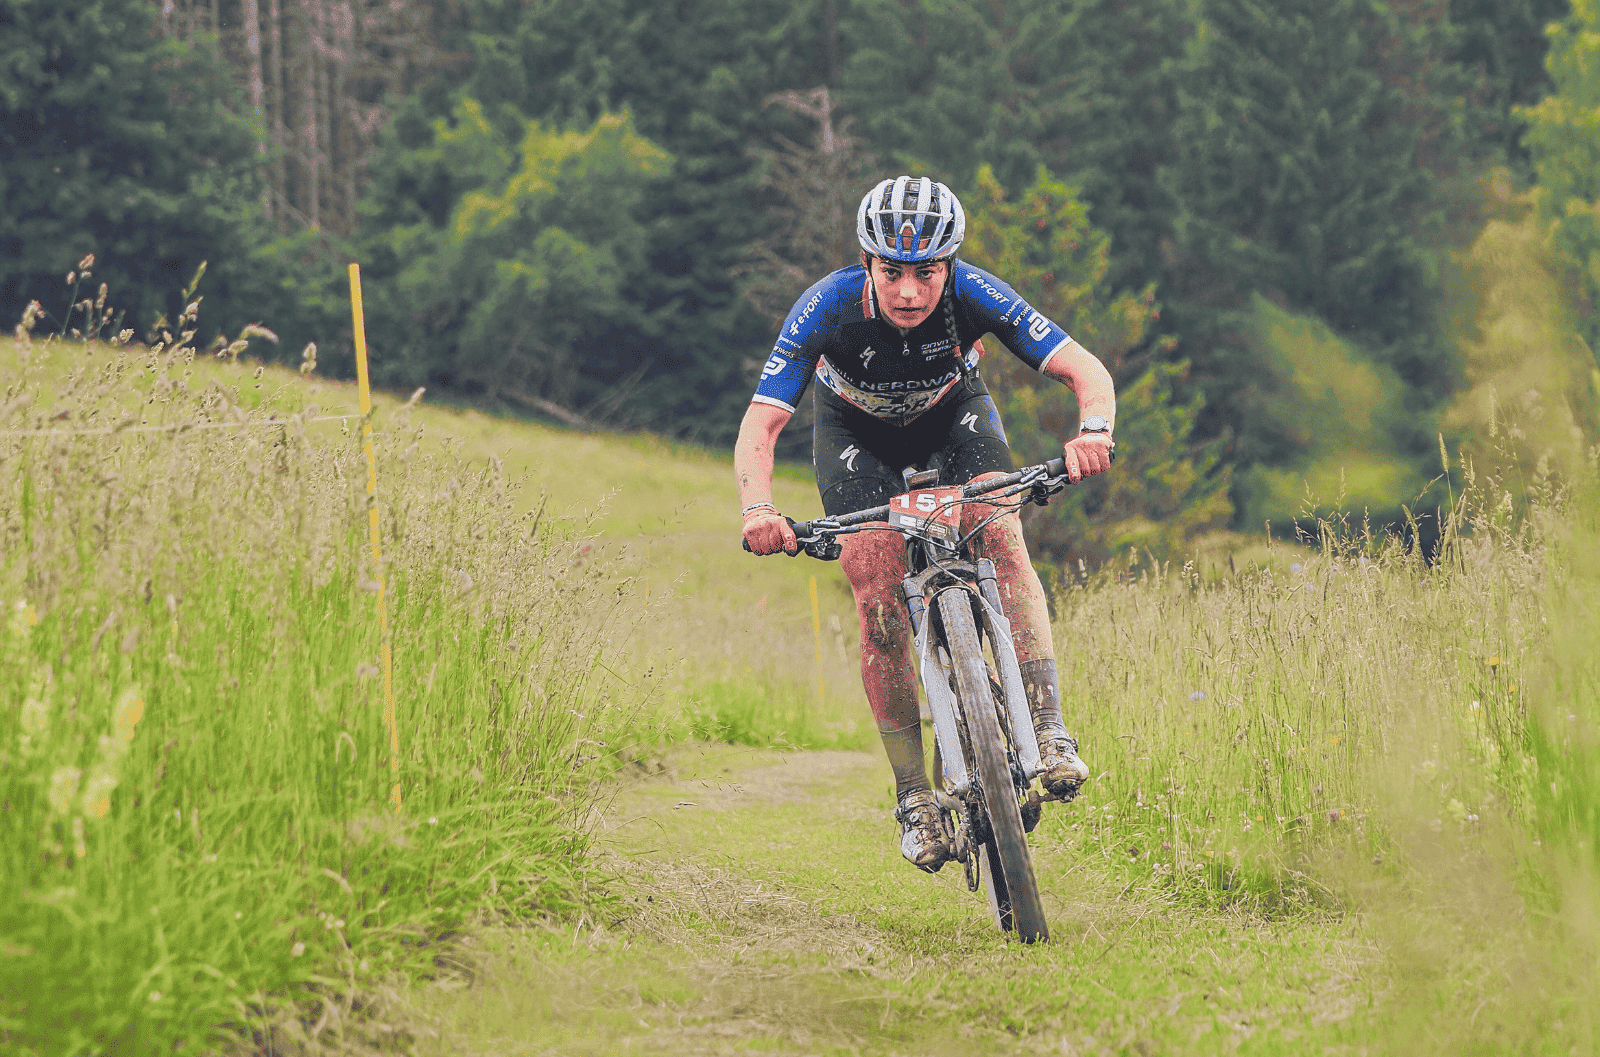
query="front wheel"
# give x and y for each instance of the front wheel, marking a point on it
(1008, 870)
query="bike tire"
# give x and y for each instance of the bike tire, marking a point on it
(1016, 890)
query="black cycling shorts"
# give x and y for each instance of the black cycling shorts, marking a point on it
(859, 458)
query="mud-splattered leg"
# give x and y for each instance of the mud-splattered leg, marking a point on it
(875, 563)
(1022, 599)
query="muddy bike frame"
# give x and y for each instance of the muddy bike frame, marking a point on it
(986, 755)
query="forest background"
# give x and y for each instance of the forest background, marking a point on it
(1314, 241)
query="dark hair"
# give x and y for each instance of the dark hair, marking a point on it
(949, 299)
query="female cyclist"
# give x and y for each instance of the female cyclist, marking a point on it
(894, 342)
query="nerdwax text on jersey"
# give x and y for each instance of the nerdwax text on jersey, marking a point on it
(834, 331)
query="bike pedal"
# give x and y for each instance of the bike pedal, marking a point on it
(1032, 809)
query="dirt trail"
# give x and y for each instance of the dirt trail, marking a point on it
(763, 907)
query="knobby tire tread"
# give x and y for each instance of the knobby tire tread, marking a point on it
(994, 774)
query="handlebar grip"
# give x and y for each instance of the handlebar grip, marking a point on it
(1056, 467)
(802, 528)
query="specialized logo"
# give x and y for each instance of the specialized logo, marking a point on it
(970, 420)
(775, 365)
(848, 457)
(867, 354)
(1038, 327)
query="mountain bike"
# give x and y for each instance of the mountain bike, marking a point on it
(985, 752)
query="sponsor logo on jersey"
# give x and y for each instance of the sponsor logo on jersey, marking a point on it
(1038, 327)
(805, 313)
(775, 365)
(897, 402)
(867, 354)
(848, 457)
(983, 284)
(970, 420)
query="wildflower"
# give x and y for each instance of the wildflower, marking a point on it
(1197, 696)
(308, 358)
(24, 618)
(97, 793)
(30, 316)
(63, 787)
(127, 713)
(1295, 567)
(297, 950)
(155, 996)
(1334, 740)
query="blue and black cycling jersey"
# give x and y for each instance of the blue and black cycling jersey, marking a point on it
(836, 332)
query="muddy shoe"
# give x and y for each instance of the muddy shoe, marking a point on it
(923, 840)
(1060, 771)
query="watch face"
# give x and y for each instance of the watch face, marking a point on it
(1095, 424)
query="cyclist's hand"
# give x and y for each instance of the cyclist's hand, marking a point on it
(768, 532)
(1087, 455)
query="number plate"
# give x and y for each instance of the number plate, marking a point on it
(928, 513)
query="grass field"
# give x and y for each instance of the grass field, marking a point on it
(1338, 759)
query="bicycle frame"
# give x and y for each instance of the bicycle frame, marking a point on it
(953, 603)
(921, 588)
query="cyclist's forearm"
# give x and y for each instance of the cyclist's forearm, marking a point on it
(1081, 371)
(753, 452)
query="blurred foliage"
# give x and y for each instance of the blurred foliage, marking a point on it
(1338, 411)
(117, 142)
(1323, 156)
(1165, 488)
(1564, 139)
(1532, 395)
(1297, 176)
(502, 296)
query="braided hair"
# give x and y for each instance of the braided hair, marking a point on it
(948, 299)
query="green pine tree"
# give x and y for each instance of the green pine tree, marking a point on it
(117, 142)
(500, 298)
(1165, 488)
(1299, 178)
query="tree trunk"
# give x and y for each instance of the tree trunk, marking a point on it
(280, 176)
(308, 127)
(349, 136)
(250, 13)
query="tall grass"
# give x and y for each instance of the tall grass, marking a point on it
(194, 768)
(1358, 730)
(1230, 722)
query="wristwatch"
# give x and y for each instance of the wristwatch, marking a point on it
(1095, 424)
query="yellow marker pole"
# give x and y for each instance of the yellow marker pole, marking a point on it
(816, 627)
(365, 390)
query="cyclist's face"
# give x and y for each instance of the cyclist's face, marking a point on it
(908, 293)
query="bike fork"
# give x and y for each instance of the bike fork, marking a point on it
(936, 683)
(1010, 671)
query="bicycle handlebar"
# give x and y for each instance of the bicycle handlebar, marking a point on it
(806, 531)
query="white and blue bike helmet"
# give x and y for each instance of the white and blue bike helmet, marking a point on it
(910, 220)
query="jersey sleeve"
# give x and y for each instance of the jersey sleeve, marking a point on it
(794, 356)
(998, 309)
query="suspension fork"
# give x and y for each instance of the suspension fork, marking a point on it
(998, 629)
(936, 683)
